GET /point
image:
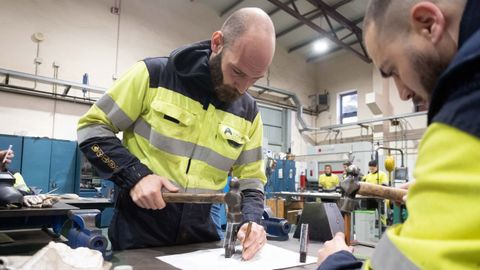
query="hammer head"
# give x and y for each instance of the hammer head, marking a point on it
(350, 186)
(233, 200)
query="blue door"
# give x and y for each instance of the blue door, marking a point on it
(36, 162)
(63, 166)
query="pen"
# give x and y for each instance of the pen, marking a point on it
(249, 229)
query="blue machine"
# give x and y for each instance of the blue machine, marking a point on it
(277, 228)
(83, 232)
(282, 177)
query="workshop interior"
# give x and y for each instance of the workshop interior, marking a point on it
(337, 146)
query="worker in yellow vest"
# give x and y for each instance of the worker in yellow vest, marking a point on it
(375, 176)
(328, 181)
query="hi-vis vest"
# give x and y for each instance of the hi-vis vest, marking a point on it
(328, 182)
(167, 127)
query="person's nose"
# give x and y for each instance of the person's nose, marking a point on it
(242, 85)
(403, 91)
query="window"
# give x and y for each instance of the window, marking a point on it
(348, 107)
(276, 129)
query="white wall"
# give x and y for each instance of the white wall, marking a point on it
(347, 72)
(82, 37)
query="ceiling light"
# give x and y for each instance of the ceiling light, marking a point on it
(320, 46)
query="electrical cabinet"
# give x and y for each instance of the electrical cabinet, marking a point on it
(282, 177)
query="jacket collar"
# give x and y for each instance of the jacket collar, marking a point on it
(468, 50)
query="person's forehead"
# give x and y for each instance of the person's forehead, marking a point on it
(373, 43)
(250, 57)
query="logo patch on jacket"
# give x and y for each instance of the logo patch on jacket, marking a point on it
(105, 159)
(233, 136)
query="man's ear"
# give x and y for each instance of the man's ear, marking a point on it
(428, 20)
(217, 42)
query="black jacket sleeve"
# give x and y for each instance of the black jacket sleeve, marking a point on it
(113, 161)
(252, 205)
(341, 260)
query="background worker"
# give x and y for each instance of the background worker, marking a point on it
(375, 176)
(328, 181)
(345, 166)
(432, 51)
(186, 120)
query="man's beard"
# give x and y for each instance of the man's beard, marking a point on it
(429, 69)
(224, 92)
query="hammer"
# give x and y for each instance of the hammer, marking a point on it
(233, 200)
(352, 186)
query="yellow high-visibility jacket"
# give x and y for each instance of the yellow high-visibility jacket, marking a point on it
(328, 182)
(379, 178)
(174, 126)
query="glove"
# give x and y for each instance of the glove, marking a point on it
(40, 201)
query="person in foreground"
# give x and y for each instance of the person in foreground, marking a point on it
(432, 51)
(186, 120)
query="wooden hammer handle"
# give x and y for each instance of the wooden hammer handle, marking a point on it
(395, 194)
(193, 198)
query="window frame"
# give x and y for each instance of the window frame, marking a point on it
(341, 95)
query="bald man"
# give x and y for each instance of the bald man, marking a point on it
(432, 51)
(186, 120)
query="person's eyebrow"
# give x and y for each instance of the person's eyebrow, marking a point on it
(244, 74)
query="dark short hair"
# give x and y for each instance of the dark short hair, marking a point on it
(347, 163)
(372, 163)
(328, 165)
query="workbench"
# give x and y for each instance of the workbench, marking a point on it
(89, 203)
(145, 258)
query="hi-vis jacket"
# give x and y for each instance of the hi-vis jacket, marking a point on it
(328, 182)
(174, 126)
(443, 228)
(378, 178)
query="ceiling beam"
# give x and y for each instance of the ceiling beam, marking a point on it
(319, 29)
(297, 25)
(277, 9)
(336, 49)
(229, 8)
(336, 16)
(317, 14)
(308, 42)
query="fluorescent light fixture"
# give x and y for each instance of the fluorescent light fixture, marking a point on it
(320, 46)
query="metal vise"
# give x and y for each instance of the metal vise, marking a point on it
(277, 228)
(83, 232)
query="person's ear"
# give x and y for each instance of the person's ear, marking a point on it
(217, 42)
(428, 20)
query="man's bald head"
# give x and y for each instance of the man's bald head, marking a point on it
(247, 21)
(242, 51)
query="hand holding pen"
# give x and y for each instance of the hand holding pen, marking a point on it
(253, 237)
(6, 156)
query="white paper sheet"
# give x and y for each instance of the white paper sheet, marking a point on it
(270, 257)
